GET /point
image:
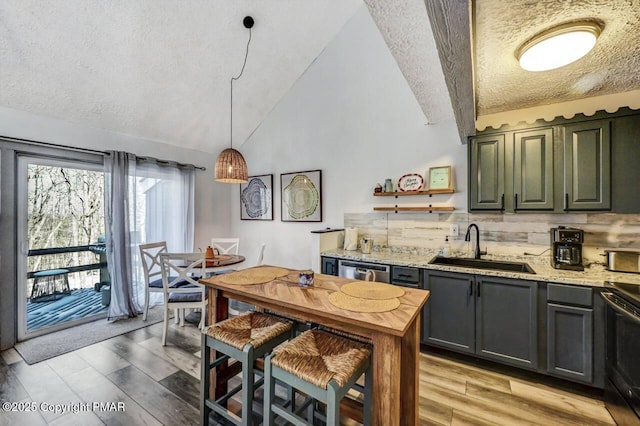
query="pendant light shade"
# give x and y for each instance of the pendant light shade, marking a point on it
(230, 164)
(231, 167)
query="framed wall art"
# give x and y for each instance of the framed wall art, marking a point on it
(440, 178)
(301, 196)
(256, 198)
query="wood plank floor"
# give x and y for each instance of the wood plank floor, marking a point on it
(159, 385)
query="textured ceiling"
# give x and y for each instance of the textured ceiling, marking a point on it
(404, 24)
(160, 69)
(610, 68)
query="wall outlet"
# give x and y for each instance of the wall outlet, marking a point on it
(453, 230)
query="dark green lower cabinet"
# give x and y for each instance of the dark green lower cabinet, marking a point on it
(554, 329)
(448, 319)
(570, 342)
(329, 265)
(507, 320)
(495, 318)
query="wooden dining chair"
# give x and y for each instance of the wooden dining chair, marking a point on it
(184, 269)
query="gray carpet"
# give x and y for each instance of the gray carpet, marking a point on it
(60, 342)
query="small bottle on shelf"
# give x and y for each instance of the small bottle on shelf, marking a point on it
(388, 185)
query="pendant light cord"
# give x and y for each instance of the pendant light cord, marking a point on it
(246, 55)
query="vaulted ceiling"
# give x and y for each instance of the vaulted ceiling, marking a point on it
(160, 69)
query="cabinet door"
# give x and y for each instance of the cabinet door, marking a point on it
(448, 316)
(507, 320)
(533, 170)
(570, 342)
(486, 176)
(329, 266)
(587, 166)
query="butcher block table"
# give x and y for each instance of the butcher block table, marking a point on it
(395, 334)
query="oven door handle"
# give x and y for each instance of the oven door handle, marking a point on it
(609, 299)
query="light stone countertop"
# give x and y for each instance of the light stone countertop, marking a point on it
(593, 276)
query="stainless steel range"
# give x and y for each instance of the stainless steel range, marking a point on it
(622, 389)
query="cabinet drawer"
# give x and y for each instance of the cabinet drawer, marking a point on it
(573, 295)
(405, 276)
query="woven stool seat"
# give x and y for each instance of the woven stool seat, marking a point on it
(252, 327)
(317, 357)
(244, 338)
(323, 366)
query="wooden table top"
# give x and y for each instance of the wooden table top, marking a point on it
(224, 260)
(284, 295)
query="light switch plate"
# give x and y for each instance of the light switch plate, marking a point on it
(453, 230)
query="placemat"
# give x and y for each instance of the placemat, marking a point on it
(371, 290)
(248, 277)
(355, 304)
(280, 272)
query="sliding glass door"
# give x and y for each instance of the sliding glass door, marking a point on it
(62, 271)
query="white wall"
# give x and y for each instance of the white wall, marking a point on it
(212, 199)
(353, 116)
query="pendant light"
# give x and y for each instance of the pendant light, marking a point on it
(558, 46)
(230, 165)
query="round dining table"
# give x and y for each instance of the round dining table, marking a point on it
(213, 265)
(222, 260)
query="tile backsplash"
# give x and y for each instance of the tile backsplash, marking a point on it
(499, 233)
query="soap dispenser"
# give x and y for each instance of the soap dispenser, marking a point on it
(446, 248)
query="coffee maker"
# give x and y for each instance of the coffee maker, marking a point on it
(566, 248)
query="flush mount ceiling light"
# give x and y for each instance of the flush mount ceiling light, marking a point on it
(558, 46)
(230, 164)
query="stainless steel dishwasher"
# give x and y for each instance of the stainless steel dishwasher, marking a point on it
(359, 270)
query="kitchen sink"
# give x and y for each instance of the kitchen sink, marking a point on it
(498, 265)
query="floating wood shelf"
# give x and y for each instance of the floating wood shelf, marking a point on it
(421, 192)
(415, 209)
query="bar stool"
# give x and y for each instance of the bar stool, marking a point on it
(322, 365)
(244, 338)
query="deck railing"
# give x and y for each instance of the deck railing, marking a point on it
(98, 248)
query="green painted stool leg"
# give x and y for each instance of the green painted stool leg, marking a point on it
(269, 389)
(247, 385)
(204, 382)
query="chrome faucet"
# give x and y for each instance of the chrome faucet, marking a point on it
(476, 252)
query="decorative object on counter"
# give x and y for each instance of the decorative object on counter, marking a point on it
(230, 166)
(256, 198)
(305, 278)
(372, 290)
(366, 244)
(440, 177)
(410, 182)
(388, 185)
(351, 239)
(378, 188)
(356, 304)
(301, 196)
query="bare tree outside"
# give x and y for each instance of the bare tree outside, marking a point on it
(66, 209)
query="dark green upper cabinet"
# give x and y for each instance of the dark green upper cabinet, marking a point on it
(512, 171)
(533, 170)
(567, 165)
(486, 177)
(587, 165)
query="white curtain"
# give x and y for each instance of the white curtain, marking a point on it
(160, 207)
